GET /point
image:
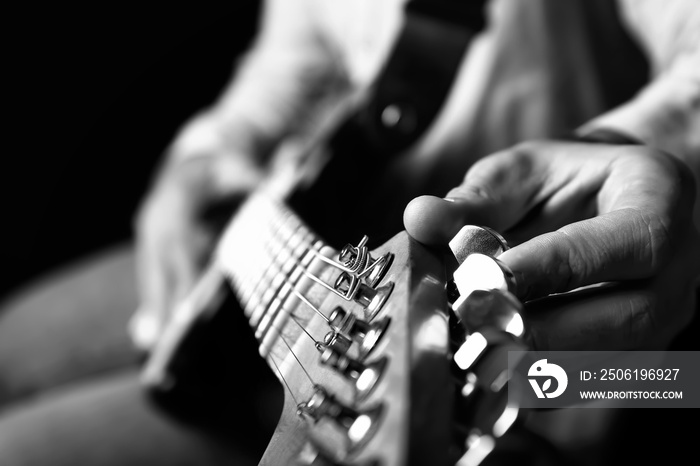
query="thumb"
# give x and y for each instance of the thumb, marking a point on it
(434, 221)
(486, 197)
(505, 188)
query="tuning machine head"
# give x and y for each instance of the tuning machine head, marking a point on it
(357, 426)
(474, 239)
(364, 377)
(364, 333)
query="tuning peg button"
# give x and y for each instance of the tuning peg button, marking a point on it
(495, 309)
(473, 239)
(481, 272)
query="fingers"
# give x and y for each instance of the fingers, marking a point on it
(608, 317)
(643, 215)
(621, 245)
(169, 249)
(641, 314)
(529, 189)
(596, 213)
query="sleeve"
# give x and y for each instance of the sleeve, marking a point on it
(666, 113)
(290, 71)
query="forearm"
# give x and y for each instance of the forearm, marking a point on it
(666, 113)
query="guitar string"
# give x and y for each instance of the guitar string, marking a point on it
(303, 299)
(294, 318)
(284, 340)
(306, 270)
(285, 239)
(285, 231)
(297, 264)
(279, 371)
(284, 380)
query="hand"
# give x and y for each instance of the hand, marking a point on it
(579, 215)
(178, 224)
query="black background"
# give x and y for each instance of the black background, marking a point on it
(92, 98)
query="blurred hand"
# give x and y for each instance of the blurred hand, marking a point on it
(578, 215)
(179, 222)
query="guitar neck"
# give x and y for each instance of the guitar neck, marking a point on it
(267, 254)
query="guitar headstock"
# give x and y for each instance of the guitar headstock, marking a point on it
(398, 377)
(383, 361)
(372, 384)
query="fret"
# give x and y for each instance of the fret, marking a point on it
(258, 302)
(265, 254)
(268, 313)
(291, 260)
(290, 303)
(274, 317)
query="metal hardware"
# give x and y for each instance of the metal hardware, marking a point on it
(350, 288)
(357, 261)
(472, 239)
(493, 309)
(337, 341)
(369, 298)
(365, 334)
(491, 325)
(364, 377)
(481, 272)
(358, 426)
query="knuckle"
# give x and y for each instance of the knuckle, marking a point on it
(573, 265)
(681, 181)
(657, 240)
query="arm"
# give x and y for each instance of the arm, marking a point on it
(666, 113)
(583, 214)
(218, 157)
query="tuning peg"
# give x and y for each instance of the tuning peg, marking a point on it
(369, 298)
(481, 272)
(364, 333)
(363, 377)
(475, 346)
(358, 426)
(473, 239)
(495, 308)
(336, 340)
(360, 262)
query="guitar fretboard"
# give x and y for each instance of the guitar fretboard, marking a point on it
(266, 253)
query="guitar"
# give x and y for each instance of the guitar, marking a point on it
(362, 341)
